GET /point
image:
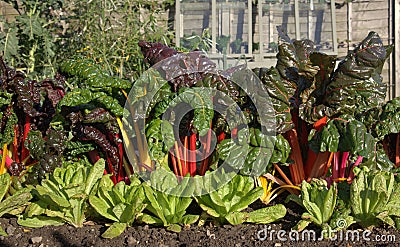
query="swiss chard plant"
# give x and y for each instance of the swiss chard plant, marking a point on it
(383, 125)
(227, 204)
(173, 90)
(310, 97)
(348, 141)
(121, 204)
(90, 112)
(28, 107)
(63, 196)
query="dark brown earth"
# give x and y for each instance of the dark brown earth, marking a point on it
(208, 235)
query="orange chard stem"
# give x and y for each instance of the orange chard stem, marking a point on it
(295, 155)
(183, 161)
(319, 166)
(15, 145)
(174, 166)
(192, 162)
(329, 163)
(287, 180)
(178, 158)
(204, 163)
(186, 154)
(311, 159)
(234, 133)
(320, 123)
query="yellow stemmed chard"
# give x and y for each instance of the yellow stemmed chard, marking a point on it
(267, 181)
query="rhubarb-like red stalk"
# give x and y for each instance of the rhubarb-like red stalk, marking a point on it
(27, 128)
(8, 160)
(111, 170)
(345, 156)
(207, 148)
(174, 165)
(121, 170)
(335, 167)
(15, 145)
(192, 162)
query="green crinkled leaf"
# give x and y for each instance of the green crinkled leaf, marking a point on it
(312, 108)
(160, 138)
(281, 150)
(76, 148)
(327, 139)
(76, 97)
(345, 135)
(118, 210)
(35, 144)
(200, 99)
(80, 96)
(267, 215)
(384, 120)
(92, 75)
(5, 98)
(168, 208)
(114, 230)
(393, 205)
(329, 202)
(280, 91)
(386, 219)
(212, 210)
(232, 153)
(40, 221)
(120, 203)
(356, 84)
(153, 206)
(8, 133)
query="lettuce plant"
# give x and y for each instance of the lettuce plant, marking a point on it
(319, 201)
(11, 201)
(374, 198)
(121, 204)
(63, 196)
(227, 203)
(167, 207)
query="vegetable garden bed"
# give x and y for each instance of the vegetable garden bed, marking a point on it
(199, 154)
(207, 235)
